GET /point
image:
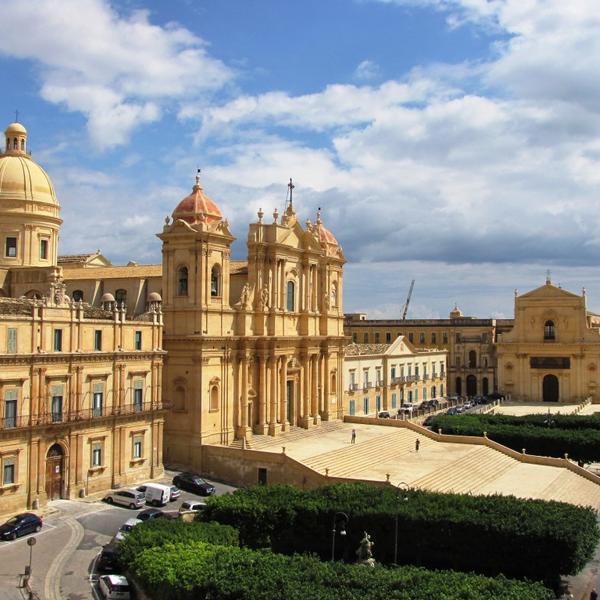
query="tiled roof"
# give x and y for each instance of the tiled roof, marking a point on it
(360, 349)
(68, 259)
(238, 266)
(137, 272)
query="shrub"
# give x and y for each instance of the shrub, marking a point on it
(486, 534)
(200, 570)
(158, 532)
(577, 436)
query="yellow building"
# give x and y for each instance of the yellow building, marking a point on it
(384, 377)
(80, 386)
(468, 341)
(553, 352)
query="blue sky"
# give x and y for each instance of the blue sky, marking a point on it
(455, 142)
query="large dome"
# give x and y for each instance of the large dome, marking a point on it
(197, 207)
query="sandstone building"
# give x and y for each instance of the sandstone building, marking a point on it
(80, 386)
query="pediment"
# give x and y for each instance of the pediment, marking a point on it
(549, 291)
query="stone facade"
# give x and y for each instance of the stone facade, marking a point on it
(383, 377)
(553, 351)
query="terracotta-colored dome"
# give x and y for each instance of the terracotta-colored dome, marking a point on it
(325, 236)
(197, 207)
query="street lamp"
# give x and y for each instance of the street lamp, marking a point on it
(341, 519)
(401, 489)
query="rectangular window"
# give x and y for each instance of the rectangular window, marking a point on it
(416, 370)
(393, 373)
(97, 454)
(44, 249)
(10, 408)
(388, 338)
(11, 247)
(378, 403)
(442, 390)
(58, 340)
(424, 393)
(433, 338)
(8, 471)
(416, 395)
(366, 378)
(97, 399)
(354, 338)
(445, 338)
(410, 396)
(366, 338)
(394, 400)
(401, 396)
(421, 338)
(377, 337)
(138, 340)
(410, 337)
(138, 395)
(352, 407)
(366, 406)
(11, 340)
(57, 409)
(378, 376)
(138, 446)
(98, 340)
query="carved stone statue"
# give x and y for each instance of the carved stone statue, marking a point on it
(245, 296)
(364, 552)
(264, 298)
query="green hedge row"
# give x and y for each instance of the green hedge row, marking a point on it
(486, 534)
(580, 443)
(158, 532)
(200, 570)
(543, 420)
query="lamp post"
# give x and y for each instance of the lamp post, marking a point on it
(401, 489)
(341, 519)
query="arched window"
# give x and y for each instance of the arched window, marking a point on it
(182, 281)
(15, 144)
(78, 296)
(23, 144)
(215, 281)
(549, 333)
(291, 300)
(333, 388)
(121, 297)
(214, 397)
(334, 295)
(472, 359)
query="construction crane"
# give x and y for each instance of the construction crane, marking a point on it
(405, 309)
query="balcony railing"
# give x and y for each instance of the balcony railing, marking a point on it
(367, 385)
(352, 387)
(60, 417)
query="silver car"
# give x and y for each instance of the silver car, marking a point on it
(129, 498)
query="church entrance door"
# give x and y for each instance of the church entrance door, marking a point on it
(550, 388)
(55, 472)
(471, 385)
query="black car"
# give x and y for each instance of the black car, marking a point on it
(20, 525)
(108, 562)
(192, 482)
(150, 513)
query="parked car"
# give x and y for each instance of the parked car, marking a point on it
(150, 513)
(192, 506)
(114, 587)
(194, 483)
(384, 414)
(126, 528)
(20, 525)
(108, 561)
(175, 493)
(157, 494)
(129, 498)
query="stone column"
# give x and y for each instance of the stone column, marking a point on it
(263, 386)
(244, 398)
(325, 415)
(272, 371)
(283, 393)
(304, 390)
(315, 387)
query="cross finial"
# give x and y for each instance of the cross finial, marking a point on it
(291, 187)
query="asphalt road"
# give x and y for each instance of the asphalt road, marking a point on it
(66, 549)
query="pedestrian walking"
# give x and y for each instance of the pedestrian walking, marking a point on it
(417, 444)
(594, 594)
(353, 440)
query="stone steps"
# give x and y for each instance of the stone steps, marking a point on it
(569, 486)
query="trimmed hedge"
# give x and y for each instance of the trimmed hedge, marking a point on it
(577, 436)
(491, 535)
(158, 532)
(200, 570)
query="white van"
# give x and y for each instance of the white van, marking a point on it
(157, 494)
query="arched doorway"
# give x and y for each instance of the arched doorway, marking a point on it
(550, 388)
(485, 386)
(471, 385)
(458, 386)
(55, 468)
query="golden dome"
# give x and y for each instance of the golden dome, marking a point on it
(23, 179)
(15, 128)
(456, 313)
(197, 207)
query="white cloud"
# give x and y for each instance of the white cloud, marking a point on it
(119, 71)
(367, 70)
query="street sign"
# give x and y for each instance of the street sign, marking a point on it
(31, 541)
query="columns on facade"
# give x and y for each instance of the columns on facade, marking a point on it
(283, 393)
(315, 380)
(263, 386)
(325, 413)
(273, 383)
(305, 389)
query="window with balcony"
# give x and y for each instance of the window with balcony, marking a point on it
(121, 297)
(10, 408)
(366, 406)
(433, 338)
(57, 407)
(424, 393)
(97, 399)
(394, 400)
(138, 395)
(472, 359)
(78, 296)
(393, 373)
